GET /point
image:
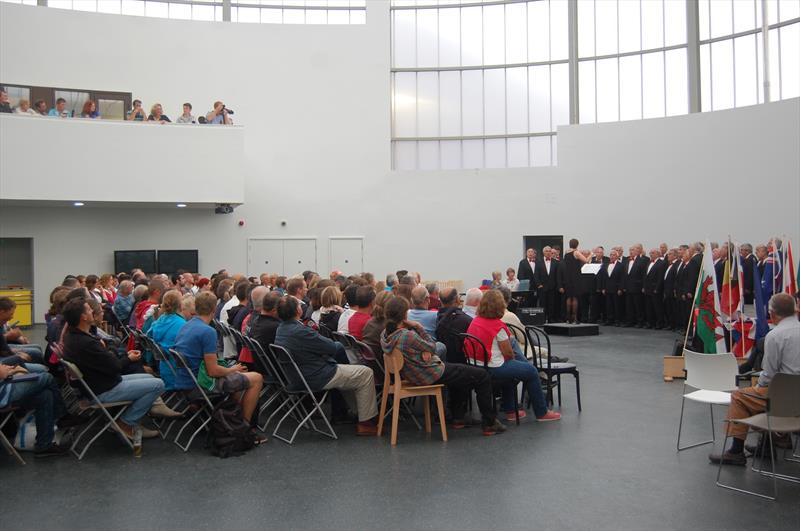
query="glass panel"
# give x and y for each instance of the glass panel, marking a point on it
(540, 151)
(450, 103)
(494, 39)
(722, 74)
(18, 93)
(179, 11)
(517, 152)
(405, 155)
(721, 13)
(472, 97)
(517, 101)
(606, 27)
(559, 83)
(294, 16)
(630, 88)
(703, 19)
(653, 85)
(559, 30)
(404, 44)
(427, 37)
(335, 16)
(516, 34)
(250, 15)
(427, 104)
(790, 60)
(316, 16)
(774, 66)
(84, 5)
(607, 91)
(772, 11)
(111, 109)
(156, 9)
(677, 84)
(585, 29)
(496, 153)
(75, 101)
(449, 42)
(203, 13)
(472, 153)
(428, 155)
(705, 77)
(554, 149)
(746, 69)
(674, 22)
(471, 36)
(405, 104)
(744, 15)
(450, 153)
(586, 92)
(538, 31)
(58, 4)
(358, 17)
(113, 7)
(539, 94)
(494, 102)
(130, 7)
(652, 25)
(789, 9)
(629, 25)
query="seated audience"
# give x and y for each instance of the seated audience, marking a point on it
(123, 302)
(781, 355)
(5, 105)
(423, 367)
(40, 106)
(264, 325)
(316, 357)
(352, 305)
(497, 280)
(103, 370)
(419, 310)
(296, 287)
(503, 363)
(434, 302)
(331, 311)
(365, 297)
(511, 281)
(19, 353)
(219, 115)
(106, 287)
(197, 342)
(371, 335)
(157, 114)
(186, 117)
(24, 107)
(450, 322)
(187, 306)
(90, 110)
(164, 331)
(137, 113)
(471, 301)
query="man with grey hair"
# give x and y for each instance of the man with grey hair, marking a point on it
(549, 284)
(264, 323)
(391, 280)
(434, 303)
(471, 301)
(123, 304)
(748, 269)
(450, 322)
(420, 311)
(781, 355)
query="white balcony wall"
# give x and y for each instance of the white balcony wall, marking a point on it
(99, 161)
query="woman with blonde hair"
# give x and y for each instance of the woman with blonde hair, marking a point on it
(331, 310)
(165, 329)
(157, 114)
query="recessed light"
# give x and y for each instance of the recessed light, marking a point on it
(181, 205)
(77, 203)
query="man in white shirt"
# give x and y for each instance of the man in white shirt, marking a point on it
(471, 301)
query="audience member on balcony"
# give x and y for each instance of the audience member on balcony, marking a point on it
(5, 106)
(219, 115)
(40, 106)
(157, 114)
(136, 114)
(60, 110)
(90, 110)
(186, 117)
(24, 107)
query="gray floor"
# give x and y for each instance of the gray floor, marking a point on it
(614, 466)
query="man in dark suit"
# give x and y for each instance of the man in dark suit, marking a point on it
(654, 290)
(528, 270)
(634, 271)
(720, 255)
(748, 270)
(762, 253)
(688, 287)
(597, 298)
(610, 280)
(549, 285)
(670, 278)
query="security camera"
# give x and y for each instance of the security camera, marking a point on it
(223, 208)
(283, 223)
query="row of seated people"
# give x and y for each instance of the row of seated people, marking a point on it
(218, 115)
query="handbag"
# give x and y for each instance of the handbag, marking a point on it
(203, 379)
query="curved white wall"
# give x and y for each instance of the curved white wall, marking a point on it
(314, 101)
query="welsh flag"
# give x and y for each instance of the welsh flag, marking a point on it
(743, 336)
(789, 278)
(730, 300)
(708, 326)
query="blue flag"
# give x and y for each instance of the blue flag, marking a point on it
(762, 327)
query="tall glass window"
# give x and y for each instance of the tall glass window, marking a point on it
(478, 84)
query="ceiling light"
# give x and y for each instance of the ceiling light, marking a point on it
(77, 203)
(181, 205)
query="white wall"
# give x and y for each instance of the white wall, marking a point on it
(314, 101)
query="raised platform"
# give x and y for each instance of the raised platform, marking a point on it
(572, 330)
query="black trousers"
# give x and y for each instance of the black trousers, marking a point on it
(670, 312)
(460, 379)
(548, 300)
(613, 308)
(684, 307)
(654, 307)
(634, 308)
(598, 309)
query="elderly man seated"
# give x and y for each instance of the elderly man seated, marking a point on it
(316, 355)
(781, 355)
(21, 351)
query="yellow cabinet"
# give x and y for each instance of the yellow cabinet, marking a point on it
(24, 300)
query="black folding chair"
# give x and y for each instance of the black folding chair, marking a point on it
(553, 371)
(474, 346)
(204, 402)
(174, 399)
(299, 390)
(6, 414)
(274, 382)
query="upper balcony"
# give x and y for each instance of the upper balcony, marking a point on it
(54, 160)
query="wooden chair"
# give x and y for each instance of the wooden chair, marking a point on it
(394, 385)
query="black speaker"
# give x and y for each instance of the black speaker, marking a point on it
(531, 316)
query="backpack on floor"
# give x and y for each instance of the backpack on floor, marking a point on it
(229, 434)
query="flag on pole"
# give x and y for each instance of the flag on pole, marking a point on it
(762, 326)
(730, 300)
(743, 336)
(772, 281)
(708, 326)
(789, 279)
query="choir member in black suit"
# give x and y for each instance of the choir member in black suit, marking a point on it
(720, 255)
(598, 299)
(688, 286)
(670, 302)
(528, 270)
(634, 271)
(654, 290)
(762, 253)
(549, 281)
(748, 270)
(610, 280)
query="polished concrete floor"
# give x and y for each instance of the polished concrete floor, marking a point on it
(613, 466)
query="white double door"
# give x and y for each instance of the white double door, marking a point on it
(284, 256)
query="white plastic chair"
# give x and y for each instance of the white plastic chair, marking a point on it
(713, 375)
